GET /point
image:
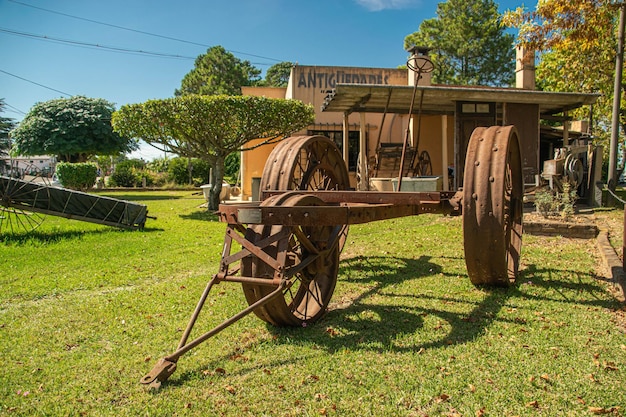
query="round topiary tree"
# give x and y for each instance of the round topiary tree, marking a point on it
(212, 127)
(73, 129)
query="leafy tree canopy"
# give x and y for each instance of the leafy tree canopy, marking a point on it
(218, 72)
(6, 125)
(577, 41)
(211, 127)
(468, 44)
(72, 128)
(556, 23)
(278, 75)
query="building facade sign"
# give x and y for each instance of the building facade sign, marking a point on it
(311, 84)
(311, 78)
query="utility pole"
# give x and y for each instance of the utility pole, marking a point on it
(617, 92)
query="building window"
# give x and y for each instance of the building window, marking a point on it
(483, 108)
(337, 137)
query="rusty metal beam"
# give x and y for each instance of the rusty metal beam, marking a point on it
(349, 213)
(372, 197)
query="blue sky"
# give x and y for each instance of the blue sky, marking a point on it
(47, 46)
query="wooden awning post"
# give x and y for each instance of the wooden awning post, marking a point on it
(346, 137)
(444, 152)
(363, 184)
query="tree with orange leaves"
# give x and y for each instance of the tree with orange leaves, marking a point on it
(577, 44)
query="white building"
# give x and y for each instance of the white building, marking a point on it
(28, 165)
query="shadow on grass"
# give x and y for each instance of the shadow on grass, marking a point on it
(202, 215)
(379, 317)
(55, 236)
(561, 291)
(364, 323)
(46, 237)
(142, 197)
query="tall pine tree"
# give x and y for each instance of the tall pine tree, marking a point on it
(469, 46)
(218, 72)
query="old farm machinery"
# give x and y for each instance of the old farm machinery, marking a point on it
(291, 240)
(25, 200)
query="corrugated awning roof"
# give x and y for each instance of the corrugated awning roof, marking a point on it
(372, 98)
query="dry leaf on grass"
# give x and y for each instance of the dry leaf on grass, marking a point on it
(533, 404)
(442, 398)
(331, 331)
(601, 410)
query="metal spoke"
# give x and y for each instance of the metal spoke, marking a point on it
(16, 198)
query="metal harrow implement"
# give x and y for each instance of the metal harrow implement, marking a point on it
(291, 240)
(24, 203)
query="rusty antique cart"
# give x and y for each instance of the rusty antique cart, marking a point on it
(291, 240)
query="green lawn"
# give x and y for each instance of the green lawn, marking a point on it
(86, 311)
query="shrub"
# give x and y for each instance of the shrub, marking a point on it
(132, 173)
(201, 169)
(150, 178)
(549, 203)
(231, 166)
(158, 165)
(159, 179)
(131, 163)
(568, 199)
(79, 176)
(123, 177)
(545, 203)
(178, 171)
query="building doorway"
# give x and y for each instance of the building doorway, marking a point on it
(469, 116)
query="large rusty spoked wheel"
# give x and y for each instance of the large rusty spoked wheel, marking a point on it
(493, 192)
(306, 300)
(305, 163)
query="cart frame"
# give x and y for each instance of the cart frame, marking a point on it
(291, 240)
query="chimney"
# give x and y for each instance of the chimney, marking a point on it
(524, 68)
(419, 66)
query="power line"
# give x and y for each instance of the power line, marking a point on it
(137, 31)
(15, 109)
(116, 49)
(33, 82)
(94, 45)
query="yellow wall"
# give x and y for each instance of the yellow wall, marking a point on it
(431, 138)
(252, 162)
(272, 92)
